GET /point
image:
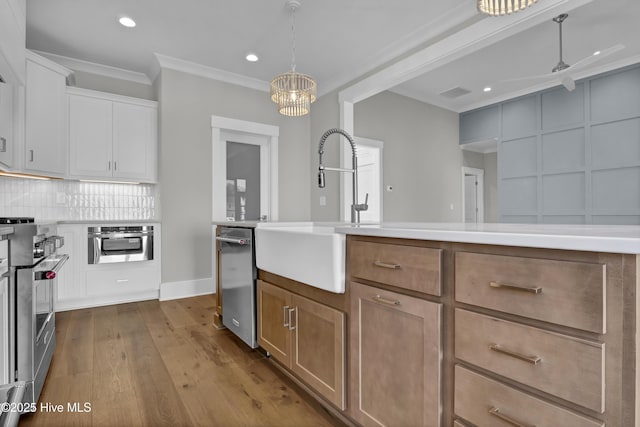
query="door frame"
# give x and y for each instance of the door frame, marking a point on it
(479, 173)
(224, 126)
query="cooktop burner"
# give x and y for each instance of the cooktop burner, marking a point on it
(16, 220)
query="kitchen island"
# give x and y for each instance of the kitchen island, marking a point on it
(491, 324)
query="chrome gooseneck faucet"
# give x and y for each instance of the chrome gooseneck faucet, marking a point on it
(355, 207)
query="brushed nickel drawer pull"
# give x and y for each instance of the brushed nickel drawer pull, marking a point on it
(293, 310)
(533, 290)
(496, 413)
(285, 323)
(378, 298)
(534, 360)
(386, 265)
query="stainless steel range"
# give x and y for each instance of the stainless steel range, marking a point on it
(33, 266)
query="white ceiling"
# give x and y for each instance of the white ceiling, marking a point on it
(337, 41)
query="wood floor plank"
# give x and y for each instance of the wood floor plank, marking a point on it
(76, 349)
(163, 364)
(158, 401)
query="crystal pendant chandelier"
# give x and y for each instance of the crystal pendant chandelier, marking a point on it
(502, 7)
(292, 91)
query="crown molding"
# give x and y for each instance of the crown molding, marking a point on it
(163, 61)
(99, 69)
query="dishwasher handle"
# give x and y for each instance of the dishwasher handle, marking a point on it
(240, 242)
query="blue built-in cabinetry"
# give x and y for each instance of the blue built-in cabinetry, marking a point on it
(570, 157)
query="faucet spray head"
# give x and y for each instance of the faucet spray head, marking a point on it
(321, 182)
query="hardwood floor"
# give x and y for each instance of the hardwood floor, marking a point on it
(163, 364)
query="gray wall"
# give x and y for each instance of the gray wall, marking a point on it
(573, 157)
(107, 84)
(187, 103)
(422, 159)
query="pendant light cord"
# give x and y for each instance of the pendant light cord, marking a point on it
(293, 39)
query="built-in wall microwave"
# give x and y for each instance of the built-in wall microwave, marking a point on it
(109, 244)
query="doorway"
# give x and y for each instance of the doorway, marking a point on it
(472, 195)
(370, 161)
(245, 170)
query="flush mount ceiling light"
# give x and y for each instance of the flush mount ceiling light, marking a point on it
(127, 22)
(292, 91)
(502, 7)
(251, 57)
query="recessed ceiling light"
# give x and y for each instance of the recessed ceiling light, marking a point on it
(596, 53)
(251, 57)
(487, 89)
(127, 22)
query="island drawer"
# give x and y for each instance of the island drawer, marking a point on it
(563, 292)
(409, 267)
(486, 402)
(567, 367)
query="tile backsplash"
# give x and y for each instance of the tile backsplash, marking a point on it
(74, 200)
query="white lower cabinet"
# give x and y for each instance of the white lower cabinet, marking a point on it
(82, 285)
(120, 280)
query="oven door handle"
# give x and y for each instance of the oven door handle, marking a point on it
(44, 272)
(240, 242)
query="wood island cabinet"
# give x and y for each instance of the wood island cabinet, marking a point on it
(306, 337)
(445, 333)
(395, 357)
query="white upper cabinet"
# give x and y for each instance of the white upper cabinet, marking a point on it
(6, 126)
(12, 41)
(134, 141)
(112, 136)
(45, 117)
(90, 135)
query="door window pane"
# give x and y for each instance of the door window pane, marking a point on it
(243, 181)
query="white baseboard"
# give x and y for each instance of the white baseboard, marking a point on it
(98, 301)
(186, 289)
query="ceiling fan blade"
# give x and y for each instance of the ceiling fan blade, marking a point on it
(585, 62)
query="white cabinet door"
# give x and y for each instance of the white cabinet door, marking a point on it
(45, 133)
(69, 284)
(6, 126)
(134, 151)
(12, 40)
(90, 133)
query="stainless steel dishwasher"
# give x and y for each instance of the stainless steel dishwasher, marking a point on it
(238, 274)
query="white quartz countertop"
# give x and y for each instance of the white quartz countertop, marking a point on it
(597, 238)
(109, 222)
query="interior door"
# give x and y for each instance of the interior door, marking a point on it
(471, 198)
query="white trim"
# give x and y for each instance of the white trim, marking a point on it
(47, 63)
(186, 289)
(110, 96)
(479, 173)
(102, 300)
(208, 72)
(454, 17)
(220, 125)
(99, 69)
(347, 122)
(476, 36)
